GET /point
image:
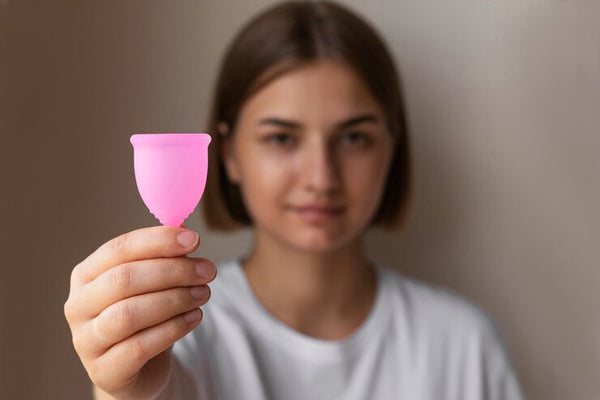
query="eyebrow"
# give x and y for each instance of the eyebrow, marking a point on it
(295, 125)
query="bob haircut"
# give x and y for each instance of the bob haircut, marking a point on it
(285, 37)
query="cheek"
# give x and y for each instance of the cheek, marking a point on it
(264, 180)
(365, 180)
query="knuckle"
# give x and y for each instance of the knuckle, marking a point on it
(171, 271)
(124, 316)
(136, 350)
(98, 329)
(68, 310)
(174, 298)
(122, 277)
(72, 308)
(184, 299)
(77, 276)
(120, 244)
(79, 343)
(174, 330)
(95, 373)
(98, 373)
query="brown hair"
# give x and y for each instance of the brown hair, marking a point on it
(284, 37)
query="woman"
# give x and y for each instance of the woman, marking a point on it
(311, 150)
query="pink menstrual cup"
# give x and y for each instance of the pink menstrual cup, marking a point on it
(170, 172)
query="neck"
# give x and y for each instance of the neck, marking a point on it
(322, 294)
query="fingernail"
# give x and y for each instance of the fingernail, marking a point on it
(204, 270)
(199, 292)
(192, 316)
(187, 239)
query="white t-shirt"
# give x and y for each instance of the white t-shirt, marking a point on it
(418, 343)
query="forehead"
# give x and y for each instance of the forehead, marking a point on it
(324, 91)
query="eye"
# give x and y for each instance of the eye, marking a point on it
(280, 139)
(355, 138)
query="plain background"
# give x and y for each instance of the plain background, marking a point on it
(503, 99)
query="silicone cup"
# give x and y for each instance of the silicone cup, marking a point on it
(170, 172)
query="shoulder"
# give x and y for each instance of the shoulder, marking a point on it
(436, 311)
(450, 337)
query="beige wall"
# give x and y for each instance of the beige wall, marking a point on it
(504, 105)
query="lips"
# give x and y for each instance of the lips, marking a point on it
(318, 212)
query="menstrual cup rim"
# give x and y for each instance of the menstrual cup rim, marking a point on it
(169, 138)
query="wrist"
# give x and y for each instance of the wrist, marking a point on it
(180, 386)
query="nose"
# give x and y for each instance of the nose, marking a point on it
(320, 170)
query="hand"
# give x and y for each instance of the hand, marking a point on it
(130, 300)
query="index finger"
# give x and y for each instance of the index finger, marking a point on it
(140, 244)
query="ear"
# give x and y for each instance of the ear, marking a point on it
(230, 160)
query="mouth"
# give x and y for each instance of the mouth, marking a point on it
(318, 213)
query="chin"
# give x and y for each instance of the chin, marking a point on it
(322, 243)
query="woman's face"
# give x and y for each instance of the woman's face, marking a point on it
(311, 153)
